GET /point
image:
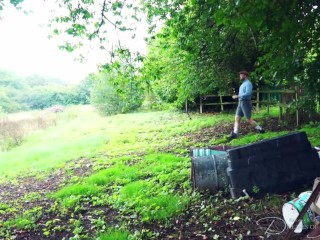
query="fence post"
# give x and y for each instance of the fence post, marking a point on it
(186, 106)
(280, 108)
(200, 104)
(221, 105)
(268, 104)
(257, 104)
(297, 110)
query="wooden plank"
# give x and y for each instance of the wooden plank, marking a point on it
(205, 96)
(265, 102)
(254, 91)
(231, 103)
(218, 104)
(274, 91)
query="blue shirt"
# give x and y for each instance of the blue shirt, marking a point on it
(245, 90)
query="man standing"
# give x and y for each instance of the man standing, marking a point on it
(244, 106)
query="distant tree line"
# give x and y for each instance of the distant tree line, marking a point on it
(37, 92)
(114, 89)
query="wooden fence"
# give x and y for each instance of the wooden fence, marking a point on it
(256, 101)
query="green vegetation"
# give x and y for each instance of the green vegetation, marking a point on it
(81, 175)
(114, 234)
(116, 89)
(77, 190)
(130, 172)
(76, 136)
(200, 48)
(146, 188)
(27, 220)
(37, 92)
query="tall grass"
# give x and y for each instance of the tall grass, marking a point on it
(119, 174)
(14, 129)
(114, 234)
(77, 134)
(81, 132)
(77, 190)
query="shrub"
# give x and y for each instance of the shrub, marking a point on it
(116, 89)
(105, 99)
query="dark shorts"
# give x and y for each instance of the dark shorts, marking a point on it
(244, 109)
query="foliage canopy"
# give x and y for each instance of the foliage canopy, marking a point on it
(203, 44)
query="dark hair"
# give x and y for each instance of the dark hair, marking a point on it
(244, 72)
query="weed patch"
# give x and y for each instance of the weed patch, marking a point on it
(114, 234)
(26, 221)
(120, 174)
(77, 190)
(162, 207)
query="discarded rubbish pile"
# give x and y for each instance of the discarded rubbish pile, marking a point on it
(303, 213)
(276, 165)
(209, 169)
(273, 166)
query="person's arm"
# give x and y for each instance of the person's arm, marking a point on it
(234, 96)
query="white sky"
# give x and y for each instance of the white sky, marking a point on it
(26, 49)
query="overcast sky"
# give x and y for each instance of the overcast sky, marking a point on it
(26, 49)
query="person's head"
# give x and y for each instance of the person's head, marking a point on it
(243, 75)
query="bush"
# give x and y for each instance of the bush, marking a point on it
(106, 100)
(111, 97)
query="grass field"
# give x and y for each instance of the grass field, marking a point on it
(84, 133)
(119, 177)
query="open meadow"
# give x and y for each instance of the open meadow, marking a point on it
(79, 175)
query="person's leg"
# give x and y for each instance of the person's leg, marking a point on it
(237, 118)
(236, 124)
(247, 111)
(254, 124)
(257, 127)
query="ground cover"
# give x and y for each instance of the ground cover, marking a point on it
(128, 177)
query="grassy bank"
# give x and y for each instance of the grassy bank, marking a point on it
(124, 177)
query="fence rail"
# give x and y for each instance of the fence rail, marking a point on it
(256, 94)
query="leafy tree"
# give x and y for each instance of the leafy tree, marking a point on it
(104, 97)
(274, 40)
(82, 92)
(206, 57)
(11, 87)
(117, 88)
(168, 71)
(11, 80)
(8, 103)
(38, 92)
(47, 96)
(278, 41)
